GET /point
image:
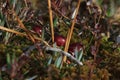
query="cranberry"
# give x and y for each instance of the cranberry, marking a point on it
(60, 40)
(73, 46)
(37, 29)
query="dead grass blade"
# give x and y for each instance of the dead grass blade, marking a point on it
(12, 31)
(30, 35)
(71, 31)
(51, 20)
(23, 34)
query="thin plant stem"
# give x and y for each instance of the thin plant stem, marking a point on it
(71, 31)
(51, 20)
(12, 31)
(64, 53)
(24, 28)
(67, 45)
(23, 34)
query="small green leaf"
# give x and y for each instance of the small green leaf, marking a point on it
(8, 61)
(13, 58)
(55, 45)
(111, 10)
(58, 61)
(32, 78)
(43, 34)
(7, 36)
(55, 22)
(50, 60)
(80, 55)
(76, 53)
(2, 19)
(13, 2)
(18, 7)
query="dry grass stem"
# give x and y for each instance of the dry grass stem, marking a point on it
(71, 30)
(24, 28)
(12, 31)
(23, 34)
(51, 20)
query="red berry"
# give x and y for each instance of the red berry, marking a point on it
(73, 46)
(60, 40)
(37, 29)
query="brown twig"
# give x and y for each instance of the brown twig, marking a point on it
(23, 34)
(71, 31)
(24, 28)
(12, 31)
(51, 20)
(56, 9)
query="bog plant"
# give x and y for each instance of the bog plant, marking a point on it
(59, 40)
